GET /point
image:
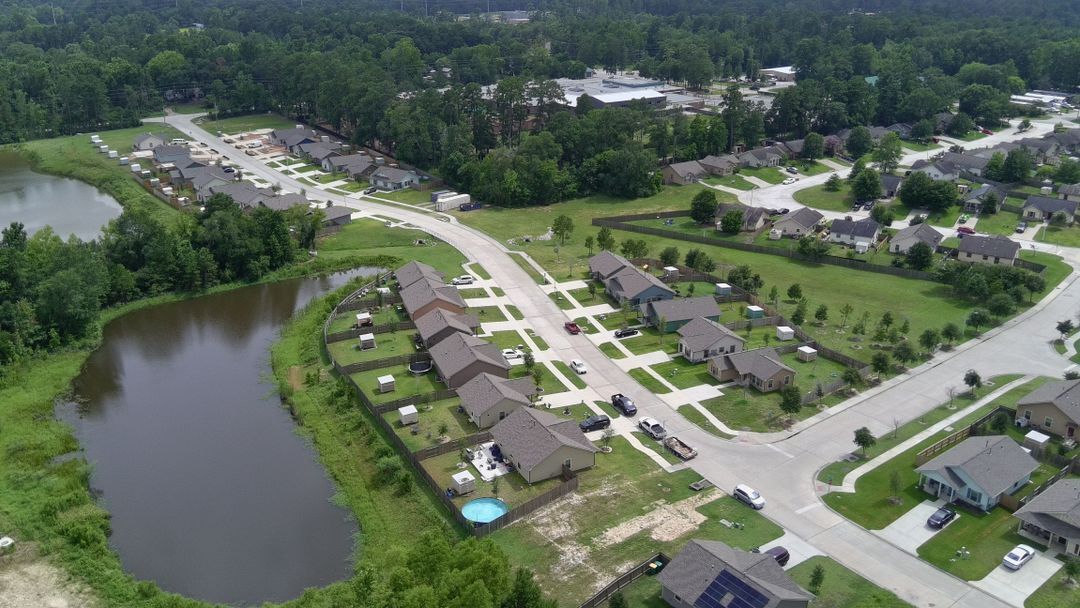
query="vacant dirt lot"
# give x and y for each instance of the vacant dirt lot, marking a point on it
(28, 580)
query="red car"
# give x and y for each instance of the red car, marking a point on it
(987, 132)
(572, 328)
(965, 230)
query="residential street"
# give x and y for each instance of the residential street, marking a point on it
(782, 465)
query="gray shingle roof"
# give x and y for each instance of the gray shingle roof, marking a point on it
(1063, 394)
(1057, 509)
(700, 561)
(981, 191)
(865, 227)
(630, 282)
(486, 391)
(159, 137)
(726, 161)
(891, 183)
(682, 309)
(701, 333)
(805, 217)
(993, 462)
(393, 174)
(923, 232)
(438, 320)
(333, 213)
(760, 362)
(458, 351)
(607, 263)
(1070, 190)
(965, 161)
(994, 245)
(421, 293)
(688, 167)
(532, 435)
(414, 271)
(1050, 205)
(282, 202)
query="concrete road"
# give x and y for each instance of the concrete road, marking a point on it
(782, 467)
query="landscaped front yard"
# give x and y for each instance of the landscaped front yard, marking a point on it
(731, 181)
(819, 197)
(651, 384)
(772, 175)
(746, 409)
(1002, 222)
(986, 536)
(650, 340)
(843, 588)
(684, 374)
(1066, 236)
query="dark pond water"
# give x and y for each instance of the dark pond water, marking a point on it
(213, 495)
(38, 200)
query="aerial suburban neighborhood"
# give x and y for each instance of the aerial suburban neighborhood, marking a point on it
(585, 304)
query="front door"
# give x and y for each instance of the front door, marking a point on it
(1070, 431)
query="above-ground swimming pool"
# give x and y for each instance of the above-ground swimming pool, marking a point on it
(484, 510)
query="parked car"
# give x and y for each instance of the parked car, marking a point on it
(1020, 555)
(595, 423)
(624, 404)
(512, 353)
(986, 132)
(228, 170)
(792, 170)
(625, 333)
(784, 210)
(790, 180)
(652, 427)
(572, 328)
(963, 219)
(941, 518)
(869, 205)
(462, 280)
(965, 230)
(371, 190)
(1021, 227)
(750, 496)
(578, 366)
(780, 554)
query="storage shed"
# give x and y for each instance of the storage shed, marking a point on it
(755, 312)
(805, 353)
(383, 290)
(386, 384)
(367, 341)
(723, 289)
(464, 482)
(124, 160)
(775, 234)
(363, 319)
(408, 414)
(671, 271)
(1036, 441)
(136, 167)
(114, 154)
(103, 149)
(783, 332)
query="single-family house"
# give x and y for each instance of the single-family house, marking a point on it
(902, 129)
(1053, 408)
(978, 471)
(993, 249)
(1069, 192)
(1045, 150)
(487, 399)
(282, 201)
(760, 368)
(687, 172)
(416, 271)
(974, 200)
(834, 145)
(799, 222)
(392, 178)
(1053, 517)
(703, 338)
(540, 445)
(890, 184)
(720, 165)
(320, 150)
(858, 233)
(425, 295)
(678, 312)
(292, 139)
(634, 286)
(793, 148)
(459, 358)
(942, 120)
(341, 163)
(938, 170)
(783, 73)
(876, 133)
(169, 154)
(966, 162)
(710, 574)
(439, 323)
(605, 264)
(248, 196)
(212, 176)
(1043, 208)
(1069, 139)
(336, 216)
(149, 141)
(905, 238)
(761, 157)
(753, 218)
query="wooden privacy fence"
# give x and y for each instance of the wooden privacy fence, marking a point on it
(1013, 503)
(941, 446)
(364, 366)
(569, 484)
(432, 397)
(385, 328)
(623, 581)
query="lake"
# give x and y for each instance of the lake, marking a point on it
(213, 494)
(38, 200)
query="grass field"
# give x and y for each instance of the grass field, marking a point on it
(768, 174)
(1002, 222)
(251, 122)
(413, 197)
(391, 344)
(812, 167)
(570, 374)
(916, 146)
(843, 588)
(406, 383)
(746, 409)
(611, 351)
(685, 375)
(820, 198)
(731, 181)
(1056, 592)
(372, 237)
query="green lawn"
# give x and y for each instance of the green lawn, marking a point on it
(685, 375)
(480, 271)
(650, 340)
(505, 339)
(657, 447)
(808, 374)
(387, 345)
(746, 409)
(651, 384)
(971, 136)
(945, 219)
(514, 312)
(690, 413)
(585, 326)
(570, 374)
(386, 314)
(561, 300)
(917, 146)
(644, 593)
(548, 382)
(498, 293)
(354, 186)
(1054, 593)
(488, 314)
(305, 168)
(408, 195)
(406, 383)
(987, 536)
(326, 178)
(428, 431)
(812, 167)
(843, 588)
(731, 181)
(513, 489)
(820, 198)
(528, 268)
(371, 237)
(768, 174)
(250, 122)
(1002, 222)
(608, 409)
(585, 298)
(611, 351)
(1066, 236)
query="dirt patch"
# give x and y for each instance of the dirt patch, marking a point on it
(665, 523)
(296, 377)
(27, 579)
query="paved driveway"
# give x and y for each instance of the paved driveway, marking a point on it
(911, 530)
(1014, 586)
(799, 549)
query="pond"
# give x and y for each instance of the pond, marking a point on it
(213, 494)
(38, 200)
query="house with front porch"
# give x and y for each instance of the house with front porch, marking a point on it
(1052, 408)
(760, 368)
(634, 286)
(1043, 208)
(1053, 517)
(978, 471)
(703, 339)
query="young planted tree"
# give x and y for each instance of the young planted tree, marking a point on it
(589, 242)
(670, 256)
(774, 296)
(799, 316)
(978, 318)
(864, 439)
(817, 578)
(972, 380)
(904, 353)
(880, 363)
(896, 486)
(605, 240)
(919, 256)
(950, 333)
(845, 312)
(833, 183)
(592, 290)
(732, 222)
(795, 292)
(561, 227)
(928, 339)
(821, 314)
(851, 376)
(790, 399)
(537, 374)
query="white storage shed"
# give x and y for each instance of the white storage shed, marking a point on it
(805, 353)
(386, 383)
(409, 415)
(783, 332)
(367, 341)
(464, 482)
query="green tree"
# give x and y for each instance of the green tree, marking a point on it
(670, 256)
(833, 184)
(923, 130)
(618, 601)
(950, 333)
(928, 339)
(856, 168)
(960, 125)
(919, 256)
(1067, 172)
(817, 578)
(822, 314)
(774, 295)
(799, 316)
(794, 292)
(635, 248)
(888, 152)
(864, 439)
(880, 363)
(972, 380)
(1018, 166)
(845, 312)
(978, 318)
(867, 185)
(814, 146)
(1064, 328)
(790, 399)
(859, 142)
(561, 227)
(904, 353)
(605, 240)
(589, 243)
(703, 207)
(1000, 305)
(732, 222)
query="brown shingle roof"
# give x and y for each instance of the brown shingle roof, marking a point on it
(486, 391)
(423, 292)
(532, 435)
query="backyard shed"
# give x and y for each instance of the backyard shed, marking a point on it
(862, 247)
(114, 154)
(363, 319)
(408, 414)
(783, 332)
(386, 383)
(755, 312)
(367, 341)
(723, 289)
(383, 290)
(671, 271)
(1036, 441)
(805, 353)
(464, 482)
(136, 167)
(124, 160)
(103, 149)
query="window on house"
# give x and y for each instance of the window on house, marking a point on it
(974, 496)
(787, 380)
(1027, 414)
(770, 384)
(1049, 422)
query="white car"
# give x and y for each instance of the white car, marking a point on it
(512, 353)
(790, 180)
(652, 427)
(750, 496)
(462, 280)
(578, 366)
(1020, 555)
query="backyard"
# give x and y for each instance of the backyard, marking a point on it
(390, 344)
(436, 422)
(406, 383)
(513, 489)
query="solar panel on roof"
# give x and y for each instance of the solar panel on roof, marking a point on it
(743, 595)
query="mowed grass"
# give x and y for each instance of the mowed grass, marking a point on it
(819, 197)
(623, 485)
(431, 420)
(683, 374)
(391, 344)
(1056, 592)
(690, 413)
(731, 181)
(250, 122)
(768, 174)
(646, 380)
(987, 536)
(746, 409)
(370, 237)
(1066, 236)
(1002, 222)
(842, 587)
